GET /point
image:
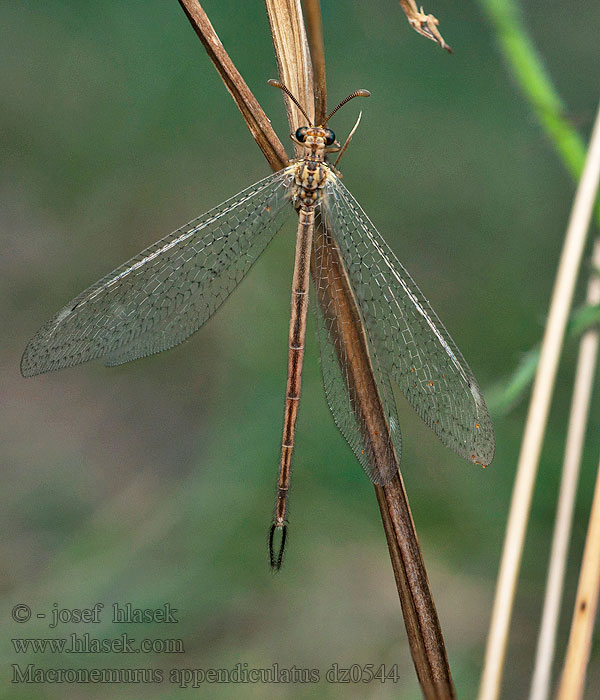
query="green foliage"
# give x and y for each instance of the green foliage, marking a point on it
(507, 393)
(527, 65)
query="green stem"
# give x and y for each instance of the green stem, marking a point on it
(537, 86)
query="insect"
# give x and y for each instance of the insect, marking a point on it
(169, 290)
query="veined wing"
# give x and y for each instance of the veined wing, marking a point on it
(375, 454)
(406, 336)
(165, 293)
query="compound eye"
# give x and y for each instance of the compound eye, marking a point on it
(329, 137)
(301, 134)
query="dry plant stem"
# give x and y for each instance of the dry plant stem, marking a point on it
(420, 616)
(293, 58)
(537, 418)
(314, 26)
(572, 682)
(423, 24)
(584, 381)
(425, 637)
(257, 121)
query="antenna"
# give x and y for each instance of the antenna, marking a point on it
(356, 93)
(281, 86)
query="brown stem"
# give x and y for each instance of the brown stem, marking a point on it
(257, 121)
(420, 616)
(294, 60)
(424, 24)
(314, 27)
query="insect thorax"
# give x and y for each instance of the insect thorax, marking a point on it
(310, 177)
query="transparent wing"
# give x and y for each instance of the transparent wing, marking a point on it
(340, 385)
(165, 293)
(406, 337)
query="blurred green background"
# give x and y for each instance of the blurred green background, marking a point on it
(155, 482)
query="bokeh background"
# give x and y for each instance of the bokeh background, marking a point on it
(154, 482)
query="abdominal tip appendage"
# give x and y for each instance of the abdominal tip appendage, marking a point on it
(276, 554)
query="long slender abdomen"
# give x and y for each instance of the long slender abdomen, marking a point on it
(297, 337)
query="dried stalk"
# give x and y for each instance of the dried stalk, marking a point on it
(578, 420)
(423, 24)
(586, 603)
(535, 426)
(312, 13)
(294, 60)
(420, 617)
(424, 632)
(257, 121)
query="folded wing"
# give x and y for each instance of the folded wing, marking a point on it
(406, 338)
(377, 450)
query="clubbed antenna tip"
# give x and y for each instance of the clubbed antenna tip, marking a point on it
(276, 83)
(356, 93)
